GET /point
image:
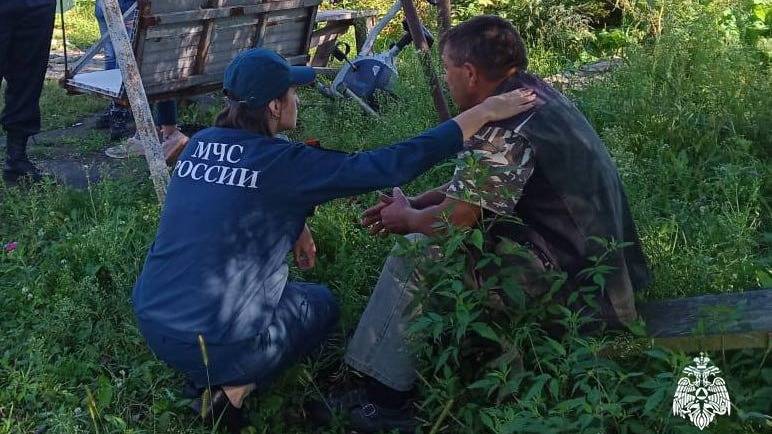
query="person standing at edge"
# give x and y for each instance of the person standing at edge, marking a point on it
(26, 27)
(236, 205)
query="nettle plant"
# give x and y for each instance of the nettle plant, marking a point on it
(495, 359)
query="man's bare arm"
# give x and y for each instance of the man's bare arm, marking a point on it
(429, 198)
(399, 217)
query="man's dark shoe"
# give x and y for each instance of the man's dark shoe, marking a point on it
(363, 415)
(120, 118)
(17, 166)
(190, 391)
(103, 121)
(323, 412)
(220, 411)
(21, 171)
(371, 418)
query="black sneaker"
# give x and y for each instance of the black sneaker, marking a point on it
(219, 412)
(190, 391)
(120, 118)
(363, 415)
(17, 171)
(372, 418)
(103, 121)
(323, 412)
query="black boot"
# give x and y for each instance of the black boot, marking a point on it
(17, 166)
(103, 121)
(120, 120)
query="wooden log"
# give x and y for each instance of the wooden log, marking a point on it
(716, 321)
(416, 31)
(135, 92)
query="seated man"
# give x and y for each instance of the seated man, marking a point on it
(546, 167)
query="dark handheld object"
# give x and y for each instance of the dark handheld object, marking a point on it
(407, 38)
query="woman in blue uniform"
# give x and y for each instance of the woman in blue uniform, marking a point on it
(216, 275)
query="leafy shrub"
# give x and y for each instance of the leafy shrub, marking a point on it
(500, 371)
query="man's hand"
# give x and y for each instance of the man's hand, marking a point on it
(396, 217)
(305, 250)
(371, 218)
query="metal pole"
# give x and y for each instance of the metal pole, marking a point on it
(135, 91)
(416, 31)
(64, 39)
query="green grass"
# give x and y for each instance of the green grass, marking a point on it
(687, 122)
(81, 28)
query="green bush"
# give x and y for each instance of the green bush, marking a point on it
(488, 370)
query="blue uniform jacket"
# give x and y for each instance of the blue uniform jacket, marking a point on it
(17, 6)
(235, 206)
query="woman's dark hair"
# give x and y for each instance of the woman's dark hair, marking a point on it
(238, 115)
(488, 42)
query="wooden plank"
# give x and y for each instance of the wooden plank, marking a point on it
(164, 73)
(205, 41)
(212, 80)
(172, 31)
(164, 6)
(257, 39)
(135, 92)
(325, 39)
(715, 314)
(420, 43)
(288, 14)
(209, 14)
(309, 30)
(733, 341)
(344, 14)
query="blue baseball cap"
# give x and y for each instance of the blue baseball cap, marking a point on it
(259, 75)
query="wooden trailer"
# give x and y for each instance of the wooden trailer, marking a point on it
(182, 47)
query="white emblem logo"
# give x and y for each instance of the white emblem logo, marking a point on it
(701, 395)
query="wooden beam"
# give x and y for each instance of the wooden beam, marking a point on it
(416, 31)
(736, 341)
(716, 321)
(344, 14)
(135, 92)
(205, 41)
(233, 11)
(325, 39)
(310, 29)
(710, 314)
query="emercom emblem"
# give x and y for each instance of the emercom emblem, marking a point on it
(701, 394)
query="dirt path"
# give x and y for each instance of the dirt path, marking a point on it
(69, 165)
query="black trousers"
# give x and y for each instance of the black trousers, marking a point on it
(25, 40)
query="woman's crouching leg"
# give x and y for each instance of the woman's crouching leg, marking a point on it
(304, 318)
